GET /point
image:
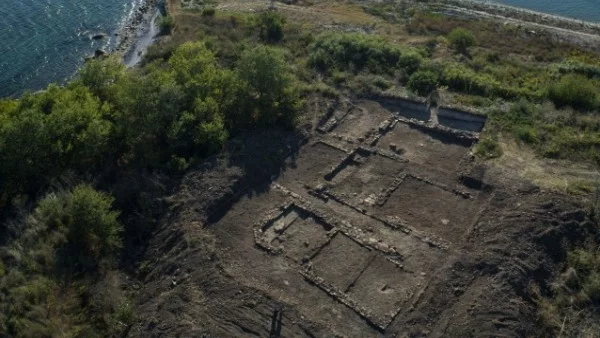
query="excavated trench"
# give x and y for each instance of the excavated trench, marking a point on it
(462, 120)
(445, 116)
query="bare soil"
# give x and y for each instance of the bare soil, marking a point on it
(371, 226)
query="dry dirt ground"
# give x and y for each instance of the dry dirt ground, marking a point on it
(373, 224)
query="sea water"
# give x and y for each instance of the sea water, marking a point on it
(43, 41)
(586, 10)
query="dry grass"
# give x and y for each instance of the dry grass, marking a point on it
(558, 175)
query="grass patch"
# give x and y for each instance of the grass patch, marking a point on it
(461, 39)
(487, 148)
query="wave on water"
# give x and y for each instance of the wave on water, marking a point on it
(43, 41)
(585, 10)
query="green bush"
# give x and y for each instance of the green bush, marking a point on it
(92, 230)
(461, 39)
(178, 109)
(354, 52)
(526, 134)
(488, 148)
(410, 61)
(270, 26)
(464, 79)
(576, 91)
(423, 82)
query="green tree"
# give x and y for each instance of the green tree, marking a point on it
(101, 76)
(77, 129)
(211, 91)
(200, 131)
(197, 71)
(269, 89)
(461, 39)
(176, 109)
(90, 225)
(49, 132)
(270, 26)
(25, 153)
(94, 232)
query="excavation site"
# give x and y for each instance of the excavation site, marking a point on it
(300, 169)
(379, 224)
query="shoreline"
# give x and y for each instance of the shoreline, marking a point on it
(562, 29)
(524, 14)
(527, 14)
(138, 33)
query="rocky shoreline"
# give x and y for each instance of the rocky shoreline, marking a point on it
(133, 37)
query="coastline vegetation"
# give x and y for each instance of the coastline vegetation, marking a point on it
(222, 74)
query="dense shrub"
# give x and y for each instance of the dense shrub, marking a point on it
(576, 91)
(410, 61)
(423, 82)
(92, 230)
(270, 94)
(270, 26)
(353, 51)
(581, 68)
(526, 134)
(464, 79)
(53, 265)
(175, 110)
(461, 39)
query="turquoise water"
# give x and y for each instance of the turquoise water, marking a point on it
(588, 10)
(44, 41)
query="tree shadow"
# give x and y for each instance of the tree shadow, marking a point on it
(262, 156)
(276, 324)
